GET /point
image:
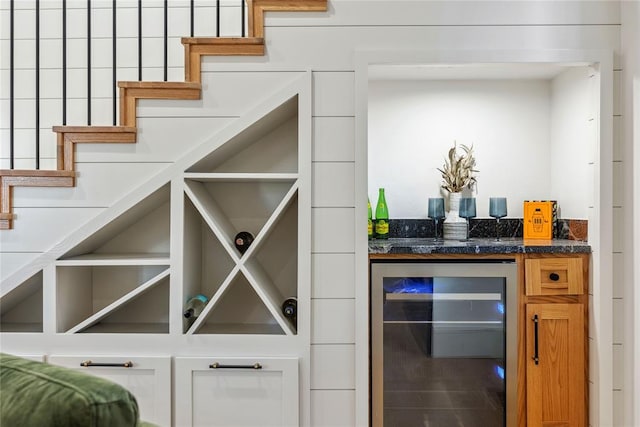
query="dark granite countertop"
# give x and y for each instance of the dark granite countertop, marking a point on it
(476, 246)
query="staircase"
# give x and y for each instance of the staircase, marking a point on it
(131, 91)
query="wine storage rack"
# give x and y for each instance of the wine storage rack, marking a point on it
(219, 206)
(119, 280)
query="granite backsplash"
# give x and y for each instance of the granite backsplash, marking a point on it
(570, 229)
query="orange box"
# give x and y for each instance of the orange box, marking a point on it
(539, 219)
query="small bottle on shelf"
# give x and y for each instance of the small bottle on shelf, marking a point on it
(382, 216)
(194, 306)
(370, 221)
(243, 240)
(290, 309)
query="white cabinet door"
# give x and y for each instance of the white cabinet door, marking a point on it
(147, 378)
(236, 392)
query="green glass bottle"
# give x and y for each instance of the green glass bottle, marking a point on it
(370, 222)
(382, 216)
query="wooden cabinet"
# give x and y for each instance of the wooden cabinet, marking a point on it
(147, 378)
(555, 336)
(555, 365)
(235, 392)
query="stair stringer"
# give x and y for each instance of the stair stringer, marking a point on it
(300, 87)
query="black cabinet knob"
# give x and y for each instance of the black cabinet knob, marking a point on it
(554, 276)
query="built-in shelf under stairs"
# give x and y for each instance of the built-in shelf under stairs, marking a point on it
(130, 92)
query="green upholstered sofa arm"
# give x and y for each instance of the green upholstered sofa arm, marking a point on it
(41, 395)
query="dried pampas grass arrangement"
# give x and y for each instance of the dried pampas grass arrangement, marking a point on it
(458, 170)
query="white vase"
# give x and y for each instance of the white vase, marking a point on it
(454, 227)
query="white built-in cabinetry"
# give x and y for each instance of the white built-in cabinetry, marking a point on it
(148, 378)
(111, 305)
(225, 392)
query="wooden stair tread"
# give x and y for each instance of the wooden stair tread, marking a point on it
(292, 5)
(159, 85)
(10, 178)
(238, 41)
(37, 173)
(258, 8)
(95, 129)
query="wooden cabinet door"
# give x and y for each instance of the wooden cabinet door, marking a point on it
(235, 393)
(556, 391)
(147, 378)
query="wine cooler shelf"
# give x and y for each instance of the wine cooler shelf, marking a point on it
(225, 228)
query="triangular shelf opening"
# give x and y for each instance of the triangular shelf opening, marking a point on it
(269, 145)
(84, 292)
(21, 308)
(206, 263)
(239, 311)
(277, 254)
(141, 231)
(232, 205)
(147, 312)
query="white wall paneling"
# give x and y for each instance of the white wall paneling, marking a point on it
(618, 141)
(619, 186)
(333, 139)
(333, 229)
(223, 94)
(333, 408)
(333, 94)
(618, 275)
(159, 140)
(332, 367)
(618, 229)
(333, 321)
(46, 226)
(333, 184)
(332, 48)
(123, 178)
(629, 140)
(618, 325)
(348, 13)
(619, 407)
(333, 275)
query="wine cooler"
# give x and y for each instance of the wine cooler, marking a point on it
(444, 343)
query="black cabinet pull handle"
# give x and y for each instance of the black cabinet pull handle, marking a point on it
(554, 276)
(535, 339)
(89, 363)
(217, 365)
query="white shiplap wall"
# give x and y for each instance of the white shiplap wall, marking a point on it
(325, 43)
(627, 184)
(333, 289)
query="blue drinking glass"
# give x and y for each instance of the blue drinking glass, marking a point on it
(436, 211)
(467, 211)
(497, 210)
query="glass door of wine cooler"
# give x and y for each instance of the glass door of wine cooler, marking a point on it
(443, 344)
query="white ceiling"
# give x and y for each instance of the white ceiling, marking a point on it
(466, 71)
